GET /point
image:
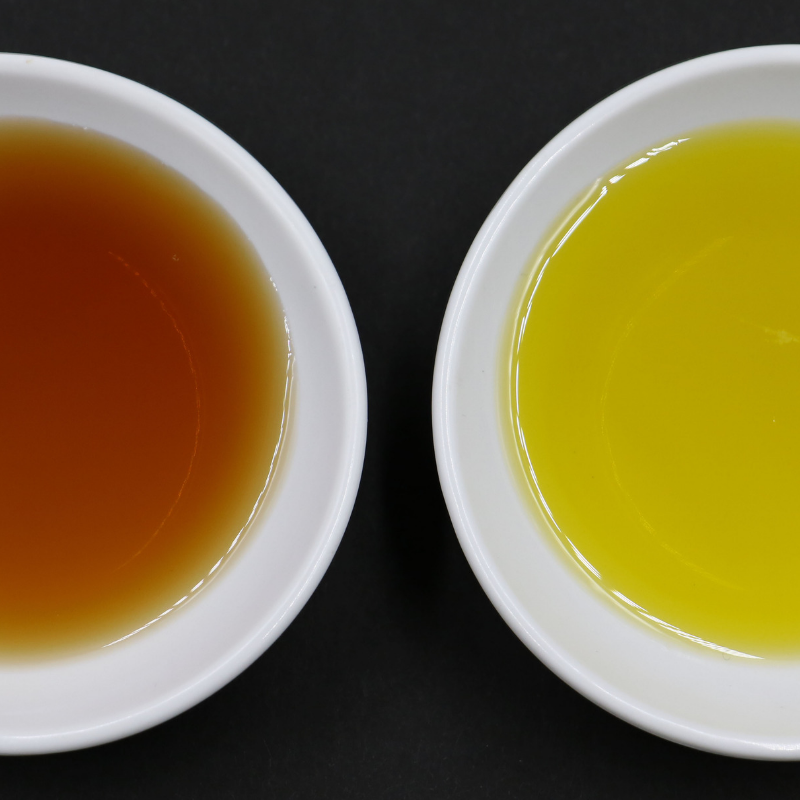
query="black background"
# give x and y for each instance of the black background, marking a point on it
(395, 126)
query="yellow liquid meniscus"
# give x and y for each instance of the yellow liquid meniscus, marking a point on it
(654, 389)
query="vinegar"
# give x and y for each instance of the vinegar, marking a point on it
(144, 374)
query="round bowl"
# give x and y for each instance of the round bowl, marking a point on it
(689, 694)
(105, 694)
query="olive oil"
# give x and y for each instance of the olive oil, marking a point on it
(144, 373)
(654, 386)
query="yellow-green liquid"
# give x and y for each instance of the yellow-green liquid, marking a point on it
(654, 388)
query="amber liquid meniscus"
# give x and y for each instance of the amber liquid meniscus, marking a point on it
(144, 366)
(654, 387)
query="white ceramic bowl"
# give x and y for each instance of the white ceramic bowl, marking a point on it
(685, 693)
(106, 694)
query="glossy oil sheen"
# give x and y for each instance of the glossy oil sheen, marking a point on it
(654, 386)
(144, 367)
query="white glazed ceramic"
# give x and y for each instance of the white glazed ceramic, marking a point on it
(682, 692)
(116, 691)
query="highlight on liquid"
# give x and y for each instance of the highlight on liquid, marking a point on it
(145, 368)
(652, 386)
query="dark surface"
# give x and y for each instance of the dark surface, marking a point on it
(395, 127)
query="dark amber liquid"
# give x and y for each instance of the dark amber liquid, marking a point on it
(144, 367)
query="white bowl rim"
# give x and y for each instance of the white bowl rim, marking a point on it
(316, 563)
(470, 537)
